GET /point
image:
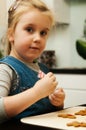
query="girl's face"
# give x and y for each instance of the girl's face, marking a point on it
(29, 38)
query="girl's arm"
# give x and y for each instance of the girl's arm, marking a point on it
(13, 105)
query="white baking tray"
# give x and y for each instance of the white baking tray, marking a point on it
(52, 120)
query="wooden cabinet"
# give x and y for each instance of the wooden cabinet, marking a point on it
(61, 9)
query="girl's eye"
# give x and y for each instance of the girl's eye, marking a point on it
(43, 33)
(30, 29)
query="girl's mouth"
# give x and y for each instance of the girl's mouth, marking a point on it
(34, 48)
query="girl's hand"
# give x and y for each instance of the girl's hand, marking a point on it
(45, 86)
(57, 97)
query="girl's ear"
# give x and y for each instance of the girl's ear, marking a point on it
(10, 35)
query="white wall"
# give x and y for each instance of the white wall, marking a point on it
(3, 21)
(64, 38)
(60, 42)
(74, 86)
(78, 15)
(4, 6)
(9, 2)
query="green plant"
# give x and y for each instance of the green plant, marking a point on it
(81, 48)
(1, 54)
(81, 43)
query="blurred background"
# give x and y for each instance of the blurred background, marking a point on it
(70, 16)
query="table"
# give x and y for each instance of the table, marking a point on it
(52, 121)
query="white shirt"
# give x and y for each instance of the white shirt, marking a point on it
(5, 84)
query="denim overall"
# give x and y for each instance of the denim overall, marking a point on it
(25, 79)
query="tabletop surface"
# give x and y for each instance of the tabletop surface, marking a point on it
(51, 120)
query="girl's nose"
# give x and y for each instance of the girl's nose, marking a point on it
(37, 37)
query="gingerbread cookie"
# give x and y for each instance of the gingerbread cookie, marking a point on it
(77, 124)
(64, 115)
(81, 112)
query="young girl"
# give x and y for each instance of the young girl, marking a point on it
(27, 87)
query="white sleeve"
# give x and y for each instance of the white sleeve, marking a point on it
(5, 79)
(5, 84)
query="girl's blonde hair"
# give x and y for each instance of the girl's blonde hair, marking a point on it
(19, 7)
